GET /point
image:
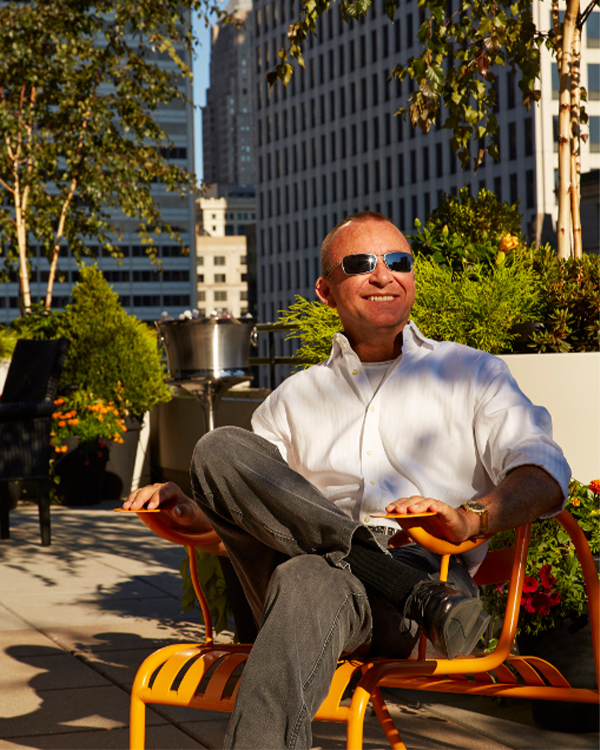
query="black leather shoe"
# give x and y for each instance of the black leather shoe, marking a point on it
(453, 621)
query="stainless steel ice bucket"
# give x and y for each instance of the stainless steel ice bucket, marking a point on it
(207, 348)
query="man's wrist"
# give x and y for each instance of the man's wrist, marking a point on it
(477, 517)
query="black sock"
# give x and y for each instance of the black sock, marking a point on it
(391, 578)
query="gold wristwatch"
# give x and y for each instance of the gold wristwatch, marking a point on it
(474, 506)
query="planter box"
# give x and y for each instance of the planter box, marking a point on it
(568, 385)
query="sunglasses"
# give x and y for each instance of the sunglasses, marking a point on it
(353, 265)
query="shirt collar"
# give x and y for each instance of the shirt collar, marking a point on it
(412, 339)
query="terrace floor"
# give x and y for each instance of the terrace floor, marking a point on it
(77, 618)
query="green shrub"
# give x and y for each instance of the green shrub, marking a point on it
(465, 229)
(8, 341)
(113, 355)
(570, 297)
(316, 324)
(475, 307)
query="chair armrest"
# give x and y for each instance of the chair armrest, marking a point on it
(20, 410)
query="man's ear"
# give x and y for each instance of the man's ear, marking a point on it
(323, 291)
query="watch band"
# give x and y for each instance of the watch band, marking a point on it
(474, 506)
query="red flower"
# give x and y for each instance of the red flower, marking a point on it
(595, 486)
(546, 578)
(530, 584)
(542, 603)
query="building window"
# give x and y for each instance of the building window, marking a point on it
(593, 87)
(219, 278)
(439, 160)
(200, 278)
(498, 188)
(514, 187)
(593, 30)
(555, 81)
(594, 123)
(200, 260)
(529, 136)
(530, 188)
(413, 167)
(512, 141)
(219, 260)
(555, 132)
(510, 90)
(401, 172)
(220, 296)
(201, 296)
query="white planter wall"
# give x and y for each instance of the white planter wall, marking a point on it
(568, 385)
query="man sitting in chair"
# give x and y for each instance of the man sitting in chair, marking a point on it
(392, 422)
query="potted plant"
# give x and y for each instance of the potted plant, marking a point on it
(116, 357)
(113, 356)
(82, 427)
(553, 620)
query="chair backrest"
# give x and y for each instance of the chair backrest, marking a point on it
(34, 370)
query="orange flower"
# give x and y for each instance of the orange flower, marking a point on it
(73, 421)
(59, 401)
(57, 415)
(595, 486)
(508, 243)
(62, 423)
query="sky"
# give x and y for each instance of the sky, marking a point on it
(200, 67)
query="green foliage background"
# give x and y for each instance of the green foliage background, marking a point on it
(113, 355)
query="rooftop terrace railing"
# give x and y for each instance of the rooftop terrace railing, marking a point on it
(272, 360)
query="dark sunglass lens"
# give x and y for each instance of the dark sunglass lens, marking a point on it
(399, 262)
(359, 263)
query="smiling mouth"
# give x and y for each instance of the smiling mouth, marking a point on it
(381, 298)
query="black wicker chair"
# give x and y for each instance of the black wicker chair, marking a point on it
(26, 409)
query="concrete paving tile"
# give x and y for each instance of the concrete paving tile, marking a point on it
(70, 709)
(166, 737)
(22, 641)
(127, 634)
(60, 670)
(516, 736)
(10, 621)
(209, 733)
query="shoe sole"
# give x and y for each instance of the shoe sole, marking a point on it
(463, 630)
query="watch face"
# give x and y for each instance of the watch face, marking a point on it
(476, 505)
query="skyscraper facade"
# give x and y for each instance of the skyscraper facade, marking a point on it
(330, 145)
(227, 118)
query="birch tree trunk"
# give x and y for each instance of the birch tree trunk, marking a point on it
(564, 131)
(576, 144)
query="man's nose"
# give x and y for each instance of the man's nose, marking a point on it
(381, 273)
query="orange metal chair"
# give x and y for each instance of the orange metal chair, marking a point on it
(206, 675)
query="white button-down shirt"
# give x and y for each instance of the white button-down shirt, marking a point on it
(447, 422)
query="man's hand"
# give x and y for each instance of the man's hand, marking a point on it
(180, 511)
(453, 524)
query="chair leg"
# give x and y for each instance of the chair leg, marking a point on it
(5, 501)
(137, 723)
(43, 495)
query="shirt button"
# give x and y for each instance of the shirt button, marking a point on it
(372, 482)
(369, 453)
(366, 519)
(355, 372)
(372, 408)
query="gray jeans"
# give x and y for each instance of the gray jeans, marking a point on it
(287, 543)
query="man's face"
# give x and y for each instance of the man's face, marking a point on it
(373, 301)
